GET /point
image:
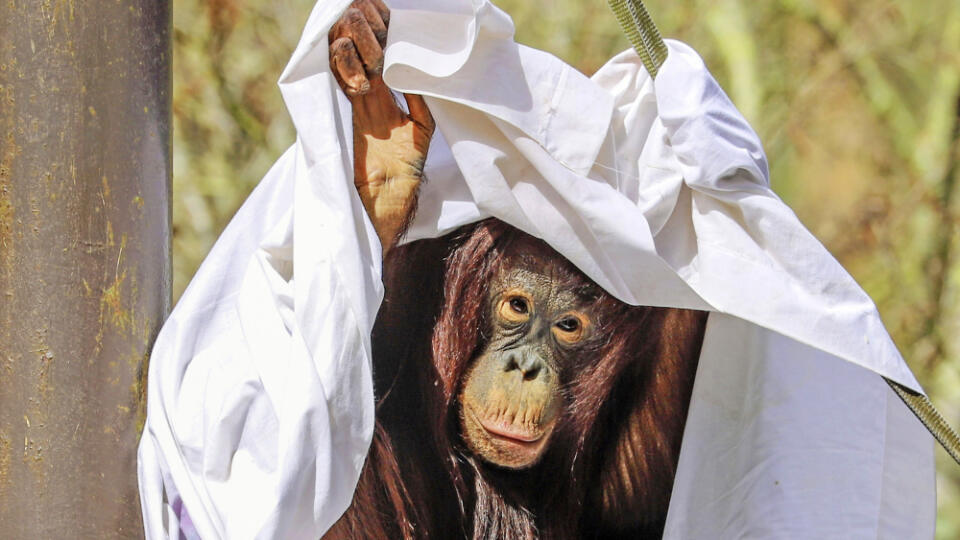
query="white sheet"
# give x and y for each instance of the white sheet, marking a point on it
(260, 405)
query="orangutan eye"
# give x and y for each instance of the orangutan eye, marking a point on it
(571, 328)
(570, 324)
(519, 305)
(515, 307)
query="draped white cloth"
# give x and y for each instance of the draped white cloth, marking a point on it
(260, 401)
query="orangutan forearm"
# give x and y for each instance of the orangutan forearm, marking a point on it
(389, 145)
(388, 160)
(390, 204)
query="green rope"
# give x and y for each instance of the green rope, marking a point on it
(641, 32)
(645, 38)
(921, 406)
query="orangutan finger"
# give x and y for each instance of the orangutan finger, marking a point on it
(383, 10)
(419, 112)
(337, 30)
(374, 20)
(346, 66)
(356, 27)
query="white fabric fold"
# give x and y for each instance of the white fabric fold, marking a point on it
(260, 404)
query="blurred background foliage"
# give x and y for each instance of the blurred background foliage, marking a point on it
(857, 102)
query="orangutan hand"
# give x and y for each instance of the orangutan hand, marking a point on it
(389, 146)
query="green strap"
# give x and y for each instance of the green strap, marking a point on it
(923, 408)
(641, 32)
(645, 38)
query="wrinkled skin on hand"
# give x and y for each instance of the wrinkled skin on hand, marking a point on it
(389, 145)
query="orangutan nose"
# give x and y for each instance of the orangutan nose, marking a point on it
(528, 363)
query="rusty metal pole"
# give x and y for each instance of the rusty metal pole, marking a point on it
(84, 257)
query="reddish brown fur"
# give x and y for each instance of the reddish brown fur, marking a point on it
(609, 469)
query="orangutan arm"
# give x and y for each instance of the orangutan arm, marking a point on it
(389, 145)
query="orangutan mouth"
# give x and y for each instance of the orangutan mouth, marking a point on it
(511, 433)
(505, 445)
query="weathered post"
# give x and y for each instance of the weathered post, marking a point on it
(84, 257)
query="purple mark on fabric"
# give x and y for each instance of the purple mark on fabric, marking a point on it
(187, 530)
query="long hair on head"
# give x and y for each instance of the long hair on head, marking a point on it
(457, 335)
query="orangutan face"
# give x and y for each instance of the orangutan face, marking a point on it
(512, 397)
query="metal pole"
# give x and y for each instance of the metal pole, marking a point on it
(84, 257)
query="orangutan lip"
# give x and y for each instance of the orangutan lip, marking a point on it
(512, 435)
(508, 434)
